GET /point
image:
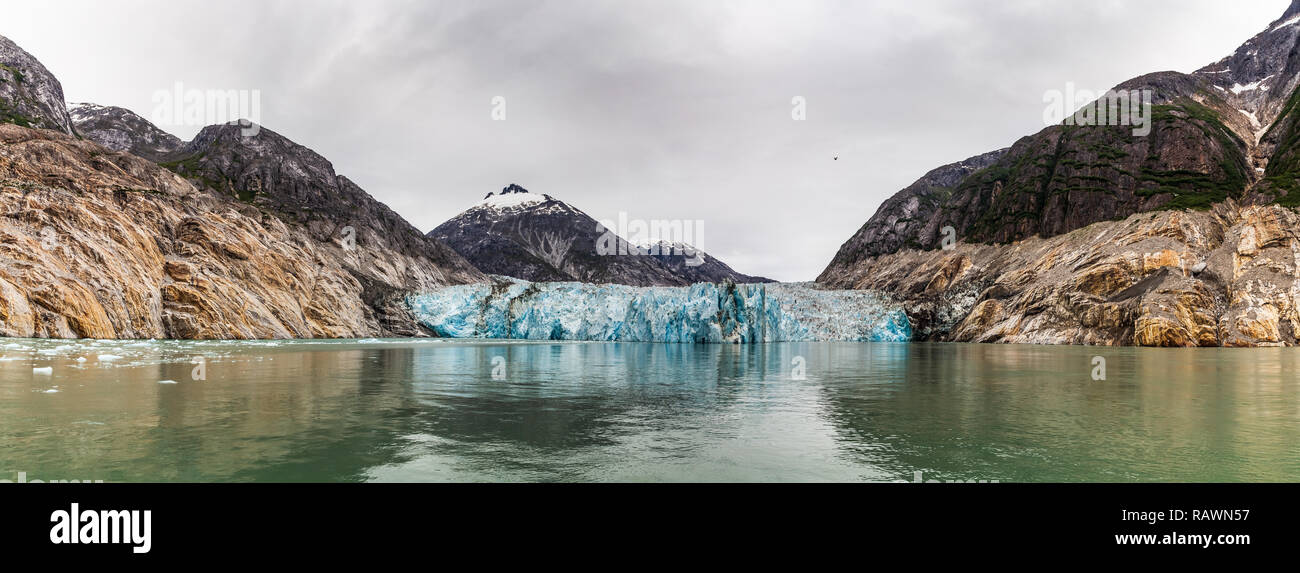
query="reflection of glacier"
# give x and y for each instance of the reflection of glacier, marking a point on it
(702, 313)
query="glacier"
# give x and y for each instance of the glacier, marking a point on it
(704, 313)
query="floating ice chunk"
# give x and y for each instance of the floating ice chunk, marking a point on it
(108, 357)
(166, 381)
(46, 371)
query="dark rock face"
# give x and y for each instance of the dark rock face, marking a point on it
(30, 96)
(696, 266)
(538, 238)
(1259, 76)
(1067, 177)
(1210, 141)
(121, 129)
(1092, 235)
(227, 236)
(904, 219)
(268, 172)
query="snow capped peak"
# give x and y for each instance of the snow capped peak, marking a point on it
(515, 198)
(668, 248)
(511, 201)
(85, 106)
(511, 197)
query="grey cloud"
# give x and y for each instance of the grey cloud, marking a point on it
(666, 109)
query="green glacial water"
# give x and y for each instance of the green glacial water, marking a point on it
(402, 410)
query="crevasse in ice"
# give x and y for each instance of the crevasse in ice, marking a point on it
(703, 313)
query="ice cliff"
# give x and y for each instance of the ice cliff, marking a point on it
(703, 313)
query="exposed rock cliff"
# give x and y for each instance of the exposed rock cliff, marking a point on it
(1095, 235)
(121, 129)
(1224, 277)
(103, 244)
(249, 237)
(30, 95)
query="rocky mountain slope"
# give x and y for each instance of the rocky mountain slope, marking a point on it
(121, 129)
(30, 96)
(538, 238)
(241, 238)
(1219, 277)
(1094, 235)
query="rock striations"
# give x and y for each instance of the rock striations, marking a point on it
(230, 238)
(1094, 235)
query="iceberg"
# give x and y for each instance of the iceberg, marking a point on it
(705, 313)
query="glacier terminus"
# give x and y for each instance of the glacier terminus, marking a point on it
(705, 313)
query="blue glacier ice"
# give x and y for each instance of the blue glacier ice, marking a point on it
(703, 313)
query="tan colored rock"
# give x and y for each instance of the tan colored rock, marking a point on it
(16, 317)
(1112, 283)
(101, 244)
(179, 270)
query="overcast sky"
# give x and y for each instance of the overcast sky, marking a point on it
(661, 109)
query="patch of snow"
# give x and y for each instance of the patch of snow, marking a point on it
(1238, 88)
(1250, 87)
(1291, 22)
(510, 201)
(1254, 121)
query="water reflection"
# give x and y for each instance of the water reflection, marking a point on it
(435, 411)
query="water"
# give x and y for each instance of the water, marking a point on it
(432, 411)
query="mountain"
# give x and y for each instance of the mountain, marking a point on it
(121, 129)
(538, 238)
(30, 96)
(231, 237)
(1093, 234)
(905, 220)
